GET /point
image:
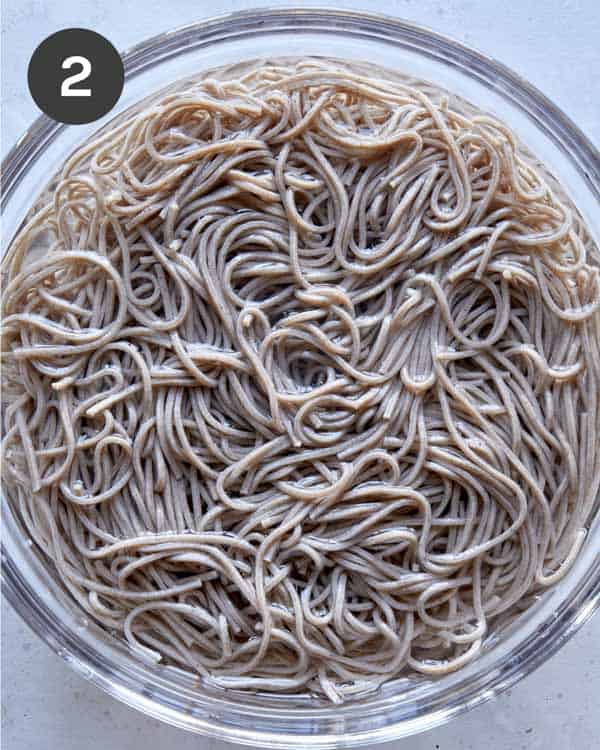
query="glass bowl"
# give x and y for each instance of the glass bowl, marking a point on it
(405, 706)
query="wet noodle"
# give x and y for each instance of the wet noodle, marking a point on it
(301, 369)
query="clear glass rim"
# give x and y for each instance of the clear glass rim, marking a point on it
(122, 680)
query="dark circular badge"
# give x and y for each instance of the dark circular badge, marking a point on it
(75, 76)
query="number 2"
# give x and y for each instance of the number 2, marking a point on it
(86, 69)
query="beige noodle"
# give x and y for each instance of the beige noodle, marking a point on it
(302, 377)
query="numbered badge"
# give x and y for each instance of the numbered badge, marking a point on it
(75, 76)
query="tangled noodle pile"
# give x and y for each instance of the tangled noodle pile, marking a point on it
(302, 377)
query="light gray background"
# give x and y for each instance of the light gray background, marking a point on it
(553, 43)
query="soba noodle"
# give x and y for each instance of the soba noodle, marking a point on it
(302, 377)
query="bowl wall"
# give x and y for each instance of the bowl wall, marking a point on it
(404, 706)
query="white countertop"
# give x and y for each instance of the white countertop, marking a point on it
(556, 45)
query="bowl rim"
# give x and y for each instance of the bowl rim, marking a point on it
(571, 615)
